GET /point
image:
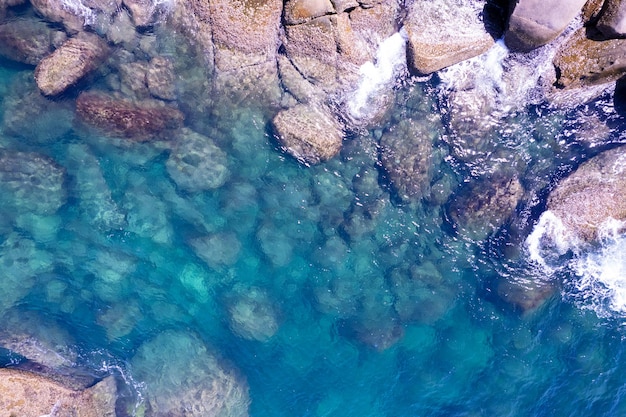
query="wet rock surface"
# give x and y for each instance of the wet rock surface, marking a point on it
(70, 63)
(28, 41)
(139, 121)
(592, 195)
(310, 133)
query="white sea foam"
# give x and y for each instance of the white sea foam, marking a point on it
(548, 241)
(77, 8)
(378, 77)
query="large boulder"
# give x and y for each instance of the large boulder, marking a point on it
(184, 379)
(27, 394)
(309, 132)
(612, 22)
(139, 121)
(28, 41)
(535, 23)
(75, 59)
(583, 62)
(444, 33)
(592, 195)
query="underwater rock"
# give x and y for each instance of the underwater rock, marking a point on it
(70, 63)
(28, 41)
(405, 155)
(184, 379)
(72, 15)
(30, 182)
(584, 62)
(484, 206)
(196, 163)
(217, 250)
(33, 117)
(133, 79)
(274, 244)
(27, 394)
(252, 314)
(380, 335)
(612, 22)
(139, 121)
(444, 33)
(22, 263)
(592, 195)
(148, 215)
(308, 132)
(120, 319)
(526, 297)
(535, 23)
(91, 189)
(146, 12)
(160, 78)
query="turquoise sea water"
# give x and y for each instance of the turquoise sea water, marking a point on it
(354, 303)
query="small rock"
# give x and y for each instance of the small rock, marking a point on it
(218, 250)
(308, 132)
(252, 315)
(70, 63)
(160, 78)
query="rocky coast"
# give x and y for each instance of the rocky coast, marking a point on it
(145, 75)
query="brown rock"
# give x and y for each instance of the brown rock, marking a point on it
(441, 35)
(308, 132)
(133, 79)
(612, 23)
(27, 394)
(73, 16)
(300, 11)
(592, 194)
(75, 59)
(141, 121)
(28, 41)
(583, 62)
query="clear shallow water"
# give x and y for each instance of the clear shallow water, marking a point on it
(380, 308)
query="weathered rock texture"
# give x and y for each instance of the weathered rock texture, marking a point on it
(534, 23)
(28, 41)
(309, 133)
(27, 394)
(140, 121)
(592, 194)
(441, 35)
(67, 65)
(612, 22)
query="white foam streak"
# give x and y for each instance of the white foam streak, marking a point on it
(379, 76)
(549, 239)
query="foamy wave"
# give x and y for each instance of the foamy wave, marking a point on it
(378, 77)
(549, 241)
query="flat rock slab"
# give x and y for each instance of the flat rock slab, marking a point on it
(76, 58)
(140, 121)
(29, 395)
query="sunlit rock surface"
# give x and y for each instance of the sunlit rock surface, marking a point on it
(592, 195)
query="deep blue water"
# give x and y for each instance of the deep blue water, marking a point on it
(380, 308)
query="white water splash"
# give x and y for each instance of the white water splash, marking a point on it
(549, 240)
(77, 8)
(378, 77)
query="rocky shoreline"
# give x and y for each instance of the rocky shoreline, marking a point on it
(304, 62)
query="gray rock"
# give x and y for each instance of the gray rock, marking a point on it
(160, 78)
(612, 22)
(184, 379)
(31, 182)
(72, 15)
(308, 132)
(70, 63)
(252, 314)
(592, 195)
(217, 250)
(444, 33)
(535, 23)
(28, 41)
(196, 163)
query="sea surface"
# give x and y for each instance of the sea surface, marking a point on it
(330, 295)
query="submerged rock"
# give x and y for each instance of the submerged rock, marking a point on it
(217, 250)
(484, 206)
(28, 41)
(27, 394)
(70, 63)
(592, 196)
(184, 379)
(30, 182)
(196, 163)
(526, 297)
(139, 121)
(310, 133)
(160, 78)
(252, 314)
(444, 33)
(535, 23)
